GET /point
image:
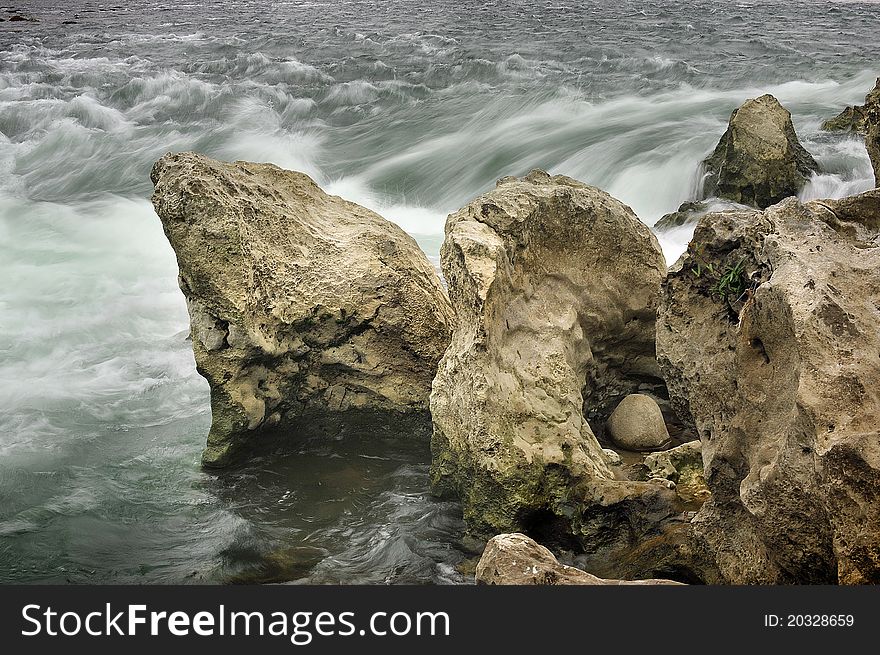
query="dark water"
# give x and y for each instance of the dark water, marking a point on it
(411, 108)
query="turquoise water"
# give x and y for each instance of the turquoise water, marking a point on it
(411, 108)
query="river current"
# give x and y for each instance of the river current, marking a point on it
(409, 107)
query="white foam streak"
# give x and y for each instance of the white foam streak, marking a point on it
(92, 319)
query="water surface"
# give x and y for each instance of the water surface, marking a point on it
(409, 107)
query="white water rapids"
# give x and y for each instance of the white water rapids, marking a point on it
(411, 109)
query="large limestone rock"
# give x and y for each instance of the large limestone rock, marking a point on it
(554, 285)
(307, 312)
(759, 160)
(515, 559)
(637, 424)
(783, 387)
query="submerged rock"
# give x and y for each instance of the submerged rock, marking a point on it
(554, 286)
(689, 213)
(672, 552)
(759, 160)
(308, 312)
(282, 565)
(515, 559)
(637, 424)
(783, 392)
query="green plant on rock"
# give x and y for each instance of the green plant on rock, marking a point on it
(732, 284)
(725, 283)
(702, 266)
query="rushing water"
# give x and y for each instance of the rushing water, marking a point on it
(409, 107)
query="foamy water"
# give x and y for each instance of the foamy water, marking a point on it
(409, 108)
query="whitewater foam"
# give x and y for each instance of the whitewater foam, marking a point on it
(409, 114)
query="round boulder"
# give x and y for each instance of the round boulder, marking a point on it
(637, 424)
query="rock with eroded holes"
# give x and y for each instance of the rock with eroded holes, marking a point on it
(782, 387)
(309, 314)
(554, 285)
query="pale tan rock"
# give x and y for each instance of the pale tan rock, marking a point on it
(759, 160)
(782, 388)
(613, 458)
(554, 285)
(515, 559)
(637, 424)
(308, 313)
(682, 465)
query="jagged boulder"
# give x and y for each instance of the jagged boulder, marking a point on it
(308, 313)
(759, 160)
(851, 119)
(515, 559)
(554, 286)
(865, 120)
(854, 118)
(768, 336)
(872, 129)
